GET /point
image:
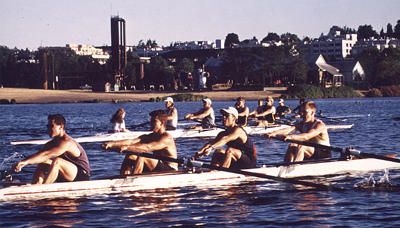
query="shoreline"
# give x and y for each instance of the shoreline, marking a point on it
(41, 96)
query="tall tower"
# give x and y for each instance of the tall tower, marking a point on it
(118, 49)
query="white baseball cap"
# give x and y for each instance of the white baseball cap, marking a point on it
(208, 100)
(169, 99)
(230, 110)
(281, 101)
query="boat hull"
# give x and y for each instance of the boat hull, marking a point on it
(181, 179)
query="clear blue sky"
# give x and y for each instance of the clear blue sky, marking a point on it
(34, 23)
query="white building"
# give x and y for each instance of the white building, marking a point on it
(336, 45)
(90, 50)
(380, 44)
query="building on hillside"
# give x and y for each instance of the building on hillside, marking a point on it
(334, 45)
(329, 76)
(89, 50)
(342, 72)
(380, 44)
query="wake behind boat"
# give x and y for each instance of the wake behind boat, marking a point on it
(187, 178)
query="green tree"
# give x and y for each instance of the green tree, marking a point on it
(397, 30)
(271, 36)
(389, 31)
(366, 32)
(231, 40)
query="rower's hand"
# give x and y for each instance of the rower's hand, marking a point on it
(189, 116)
(18, 166)
(123, 148)
(270, 135)
(106, 146)
(288, 137)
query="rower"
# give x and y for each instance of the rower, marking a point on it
(297, 109)
(240, 152)
(282, 110)
(205, 115)
(118, 121)
(172, 114)
(243, 111)
(159, 142)
(61, 159)
(311, 130)
(259, 109)
(267, 116)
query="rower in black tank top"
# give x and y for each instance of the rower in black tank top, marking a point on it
(82, 163)
(249, 153)
(242, 120)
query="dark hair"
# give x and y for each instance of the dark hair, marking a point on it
(58, 119)
(159, 114)
(117, 117)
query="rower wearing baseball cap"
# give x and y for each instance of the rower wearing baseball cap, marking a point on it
(240, 153)
(171, 113)
(205, 115)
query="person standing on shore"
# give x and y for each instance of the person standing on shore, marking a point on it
(205, 115)
(60, 159)
(311, 130)
(172, 114)
(243, 111)
(240, 152)
(158, 142)
(118, 121)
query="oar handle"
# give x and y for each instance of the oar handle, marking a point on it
(316, 145)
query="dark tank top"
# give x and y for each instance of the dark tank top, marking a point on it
(247, 148)
(82, 161)
(241, 119)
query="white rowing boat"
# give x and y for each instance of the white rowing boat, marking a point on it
(181, 179)
(178, 133)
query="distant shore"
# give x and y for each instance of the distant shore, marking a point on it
(40, 96)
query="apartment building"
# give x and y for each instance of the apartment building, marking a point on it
(335, 45)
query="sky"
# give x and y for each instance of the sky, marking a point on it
(34, 23)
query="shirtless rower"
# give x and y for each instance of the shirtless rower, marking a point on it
(205, 115)
(240, 152)
(172, 114)
(311, 130)
(159, 142)
(60, 159)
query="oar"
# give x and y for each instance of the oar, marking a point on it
(346, 151)
(200, 164)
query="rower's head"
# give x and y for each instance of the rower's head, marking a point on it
(158, 119)
(169, 102)
(207, 102)
(230, 115)
(281, 102)
(240, 101)
(269, 101)
(308, 109)
(118, 116)
(56, 125)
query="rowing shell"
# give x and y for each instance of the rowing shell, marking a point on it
(181, 179)
(178, 133)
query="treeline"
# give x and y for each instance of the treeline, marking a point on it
(245, 67)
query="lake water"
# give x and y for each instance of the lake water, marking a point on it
(245, 204)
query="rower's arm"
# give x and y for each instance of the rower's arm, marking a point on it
(44, 155)
(160, 144)
(116, 145)
(201, 114)
(219, 141)
(319, 128)
(282, 132)
(272, 110)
